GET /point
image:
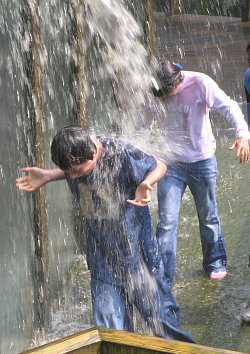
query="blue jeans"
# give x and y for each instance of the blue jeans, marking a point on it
(113, 305)
(200, 177)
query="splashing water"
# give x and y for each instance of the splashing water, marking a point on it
(117, 67)
(121, 60)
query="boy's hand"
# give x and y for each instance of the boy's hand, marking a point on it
(242, 149)
(142, 195)
(34, 179)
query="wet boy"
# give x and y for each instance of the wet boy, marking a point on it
(112, 182)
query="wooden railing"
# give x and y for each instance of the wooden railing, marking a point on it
(110, 341)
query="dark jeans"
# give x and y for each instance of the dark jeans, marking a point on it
(200, 177)
(150, 294)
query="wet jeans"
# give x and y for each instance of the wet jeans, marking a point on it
(200, 177)
(113, 305)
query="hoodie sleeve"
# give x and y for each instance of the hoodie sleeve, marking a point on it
(217, 99)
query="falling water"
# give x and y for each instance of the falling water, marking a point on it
(119, 58)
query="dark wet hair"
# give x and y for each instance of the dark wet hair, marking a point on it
(248, 47)
(71, 146)
(168, 76)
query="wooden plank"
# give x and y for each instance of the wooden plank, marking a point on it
(157, 344)
(71, 344)
(80, 38)
(110, 341)
(150, 24)
(41, 263)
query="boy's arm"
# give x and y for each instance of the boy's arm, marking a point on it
(37, 177)
(142, 193)
(219, 100)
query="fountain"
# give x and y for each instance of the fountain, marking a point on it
(58, 59)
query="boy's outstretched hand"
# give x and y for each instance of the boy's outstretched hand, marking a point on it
(242, 149)
(34, 179)
(142, 195)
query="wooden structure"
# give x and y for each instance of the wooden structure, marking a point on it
(110, 341)
(80, 37)
(41, 254)
(150, 23)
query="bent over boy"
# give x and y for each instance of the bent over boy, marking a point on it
(112, 182)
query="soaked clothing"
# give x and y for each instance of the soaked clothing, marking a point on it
(122, 251)
(117, 233)
(247, 90)
(113, 306)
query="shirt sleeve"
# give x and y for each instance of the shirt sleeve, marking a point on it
(139, 163)
(217, 99)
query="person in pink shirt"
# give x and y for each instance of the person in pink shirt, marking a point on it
(186, 98)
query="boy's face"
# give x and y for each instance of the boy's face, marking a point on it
(82, 169)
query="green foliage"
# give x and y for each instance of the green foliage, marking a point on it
(203, 7)
(161, 5)
(207, 7)
(215, 7)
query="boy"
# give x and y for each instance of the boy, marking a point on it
(186, 98)
(112, 182)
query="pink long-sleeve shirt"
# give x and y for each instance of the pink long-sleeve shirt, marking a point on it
(184, 118)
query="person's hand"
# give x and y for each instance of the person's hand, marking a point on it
(142, 195)
(242, 149)
(35, 178)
